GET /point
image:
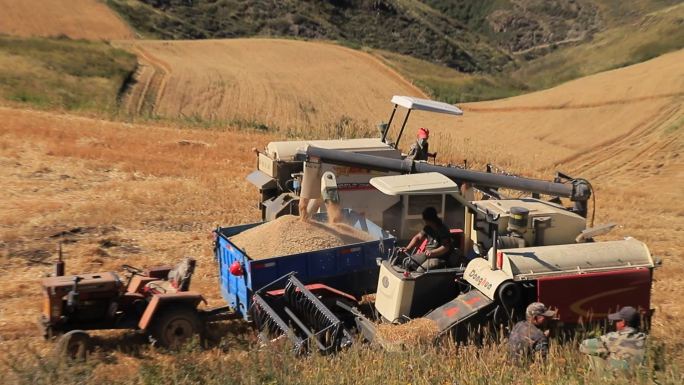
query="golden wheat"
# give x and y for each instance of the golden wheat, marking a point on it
(77, 19)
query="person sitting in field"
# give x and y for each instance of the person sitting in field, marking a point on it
(527, 341)
(620, 350)
(438, 247)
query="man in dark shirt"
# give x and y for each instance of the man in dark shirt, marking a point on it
(438, 245)
(527, 340)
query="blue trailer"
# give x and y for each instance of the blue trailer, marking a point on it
(352, 269)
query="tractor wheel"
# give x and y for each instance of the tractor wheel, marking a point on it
(74, 345)
(173, 327)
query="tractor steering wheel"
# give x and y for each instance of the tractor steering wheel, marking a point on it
(133, 270)
(407, 257)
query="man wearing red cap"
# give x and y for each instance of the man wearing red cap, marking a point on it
(419, 150)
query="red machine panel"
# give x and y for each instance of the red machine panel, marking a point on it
(587, 297)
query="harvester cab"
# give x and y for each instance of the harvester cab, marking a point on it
(404, 294)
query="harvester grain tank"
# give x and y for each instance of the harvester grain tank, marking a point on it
(584, 281)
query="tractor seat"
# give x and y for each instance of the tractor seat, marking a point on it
(178, 279)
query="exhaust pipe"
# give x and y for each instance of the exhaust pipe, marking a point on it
(59, 265)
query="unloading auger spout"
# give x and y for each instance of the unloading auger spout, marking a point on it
(578, 190)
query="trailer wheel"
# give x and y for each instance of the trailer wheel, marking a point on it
(173, 327)
(74, 345)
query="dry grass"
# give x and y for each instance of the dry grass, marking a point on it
(77, 19)
(293, 86)
(245, 364)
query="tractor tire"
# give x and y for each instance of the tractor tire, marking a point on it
(173, 327)
(74, 345)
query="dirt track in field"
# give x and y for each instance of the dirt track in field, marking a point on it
(77, 19)
(280, 83)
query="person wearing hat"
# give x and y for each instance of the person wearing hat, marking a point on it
(419, 150)
(619, 350)
(527, 339)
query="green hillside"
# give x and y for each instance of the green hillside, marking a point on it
(406, 27)
(62, 73)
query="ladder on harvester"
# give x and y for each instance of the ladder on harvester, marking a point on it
(296, 313)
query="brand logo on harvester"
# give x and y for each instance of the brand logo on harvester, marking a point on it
(479, 280)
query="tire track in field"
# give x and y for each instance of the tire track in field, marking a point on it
(151, 78)
(641, 152)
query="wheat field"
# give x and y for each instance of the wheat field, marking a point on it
(287, 85)
(77, 19)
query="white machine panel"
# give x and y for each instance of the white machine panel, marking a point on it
(535, 262)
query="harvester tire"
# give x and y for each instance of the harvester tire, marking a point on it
(74, 345)
(510, 294)
(173, 327)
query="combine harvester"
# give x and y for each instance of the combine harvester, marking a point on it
(518, 250)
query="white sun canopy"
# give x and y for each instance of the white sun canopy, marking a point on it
(414, 184)
(426, 105)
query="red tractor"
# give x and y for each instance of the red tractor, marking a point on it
(156, 301)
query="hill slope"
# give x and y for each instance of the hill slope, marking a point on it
(279, 84)
(77, 19)
(559, 125)
(407, 27)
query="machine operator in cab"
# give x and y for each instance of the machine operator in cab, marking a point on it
(438, 247)
(419, 149)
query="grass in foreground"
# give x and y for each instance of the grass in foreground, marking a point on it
(361, 364)
(62, 73)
